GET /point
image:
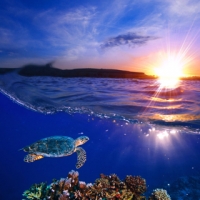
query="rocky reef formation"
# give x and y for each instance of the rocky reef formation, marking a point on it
(105, 188)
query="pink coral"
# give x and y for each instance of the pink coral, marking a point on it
(63, 197)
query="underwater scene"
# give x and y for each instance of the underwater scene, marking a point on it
(98, 138)
(100, 100)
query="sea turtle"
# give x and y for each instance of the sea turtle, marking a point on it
(56, 146)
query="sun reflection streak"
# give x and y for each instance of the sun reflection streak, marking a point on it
(162, 135)
(175, 117)
(165, 134)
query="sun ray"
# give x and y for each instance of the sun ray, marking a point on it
(169, 71)
(170, 67)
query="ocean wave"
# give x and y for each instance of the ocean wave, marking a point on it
(130, 100)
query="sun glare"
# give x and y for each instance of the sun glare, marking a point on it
(169, 72)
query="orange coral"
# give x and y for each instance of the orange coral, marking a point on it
(105, 188)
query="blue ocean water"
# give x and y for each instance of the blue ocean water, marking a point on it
(134, 128)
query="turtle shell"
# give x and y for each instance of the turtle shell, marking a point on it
(55, 146)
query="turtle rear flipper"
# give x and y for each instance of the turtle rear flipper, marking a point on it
(32, 157)
(81, 153)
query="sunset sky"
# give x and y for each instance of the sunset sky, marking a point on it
(134, 35)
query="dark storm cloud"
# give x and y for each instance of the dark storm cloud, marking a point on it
(130, 39)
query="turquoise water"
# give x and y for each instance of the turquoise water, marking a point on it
(134, 128)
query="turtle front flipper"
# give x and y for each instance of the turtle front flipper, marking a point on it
(81, 153)
(32, 157)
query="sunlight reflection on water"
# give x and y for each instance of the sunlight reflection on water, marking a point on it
(119, 99)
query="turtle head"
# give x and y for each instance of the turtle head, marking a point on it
(81, 140)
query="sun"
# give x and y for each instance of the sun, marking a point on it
(169, 72)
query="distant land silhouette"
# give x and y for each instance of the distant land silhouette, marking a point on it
(49, 70)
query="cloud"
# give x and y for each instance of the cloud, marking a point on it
(78, 34)
(130, 39)
(185, 8)
(65, 28)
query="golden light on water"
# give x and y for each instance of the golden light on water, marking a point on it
(169, 72)
(175, 117)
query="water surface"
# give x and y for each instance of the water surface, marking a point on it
(134, 128)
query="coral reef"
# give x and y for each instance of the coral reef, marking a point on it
(37, 191)
(136, 184)
(159, 194)
(104, 188)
